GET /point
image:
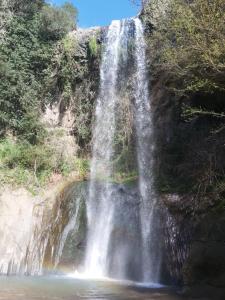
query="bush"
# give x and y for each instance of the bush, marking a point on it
(57, 21)
(25, 155)
(93, 47)
(25, 57)
(188, 43)
(30, 165)
(82, 167)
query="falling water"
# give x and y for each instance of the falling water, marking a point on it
(145, 151)
(108, 212)
(100, 208)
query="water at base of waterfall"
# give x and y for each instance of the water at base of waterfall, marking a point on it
(64, 288)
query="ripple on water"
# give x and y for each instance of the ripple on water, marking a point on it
(65, 288)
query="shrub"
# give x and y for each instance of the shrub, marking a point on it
(57, 21)
(25, 58)
(93, 47)
(82, 167)
(30, 165)
(188, 42)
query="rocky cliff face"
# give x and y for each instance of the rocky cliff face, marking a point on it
(74, 85)
(194, 219)
(45, 233)
(24, 229)
(65, 247)
(189, 170)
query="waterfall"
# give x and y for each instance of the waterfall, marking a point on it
(121, 231)
(145, 153)
(100, 209)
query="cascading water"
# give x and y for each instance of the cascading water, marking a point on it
(121, 233)
(145, 151)
(100, 209)
(103, 199)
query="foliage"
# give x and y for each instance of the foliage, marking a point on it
(25, 56)
(23, 163)
(19, 84)
(188, 42)
(24, 7)
(31, 35)
(32, 165)
(82, 166)
(57, 21)
(94, 47)
(62, 72)
(187, 53)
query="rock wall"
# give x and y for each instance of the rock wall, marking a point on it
(22, 244)
(16, 220)
(193, 220)
(34, 229)
(68, 228)
(71, 109)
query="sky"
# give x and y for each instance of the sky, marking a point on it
(101, 12)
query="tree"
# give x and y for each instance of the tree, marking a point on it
(25, 56)
(188, 42)
(57, 21)
(24, 7)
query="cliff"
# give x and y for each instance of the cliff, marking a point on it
(194, 219)
(189, 131)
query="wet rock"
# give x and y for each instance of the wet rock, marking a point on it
(67, 234)
(195, 242)
(206, 261)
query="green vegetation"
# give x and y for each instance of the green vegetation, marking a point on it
(187, 52)
(33, 165)
(94, 47)
(25, 55)
(83, 167)
(33, 36)
(56, 22)
(24, 164)
(190, 38)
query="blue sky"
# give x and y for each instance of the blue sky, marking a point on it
(101, 12)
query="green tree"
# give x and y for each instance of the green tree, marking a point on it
(188, 42)
(57, 21)
(25, 57)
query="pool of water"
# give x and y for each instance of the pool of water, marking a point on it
(65, 288)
